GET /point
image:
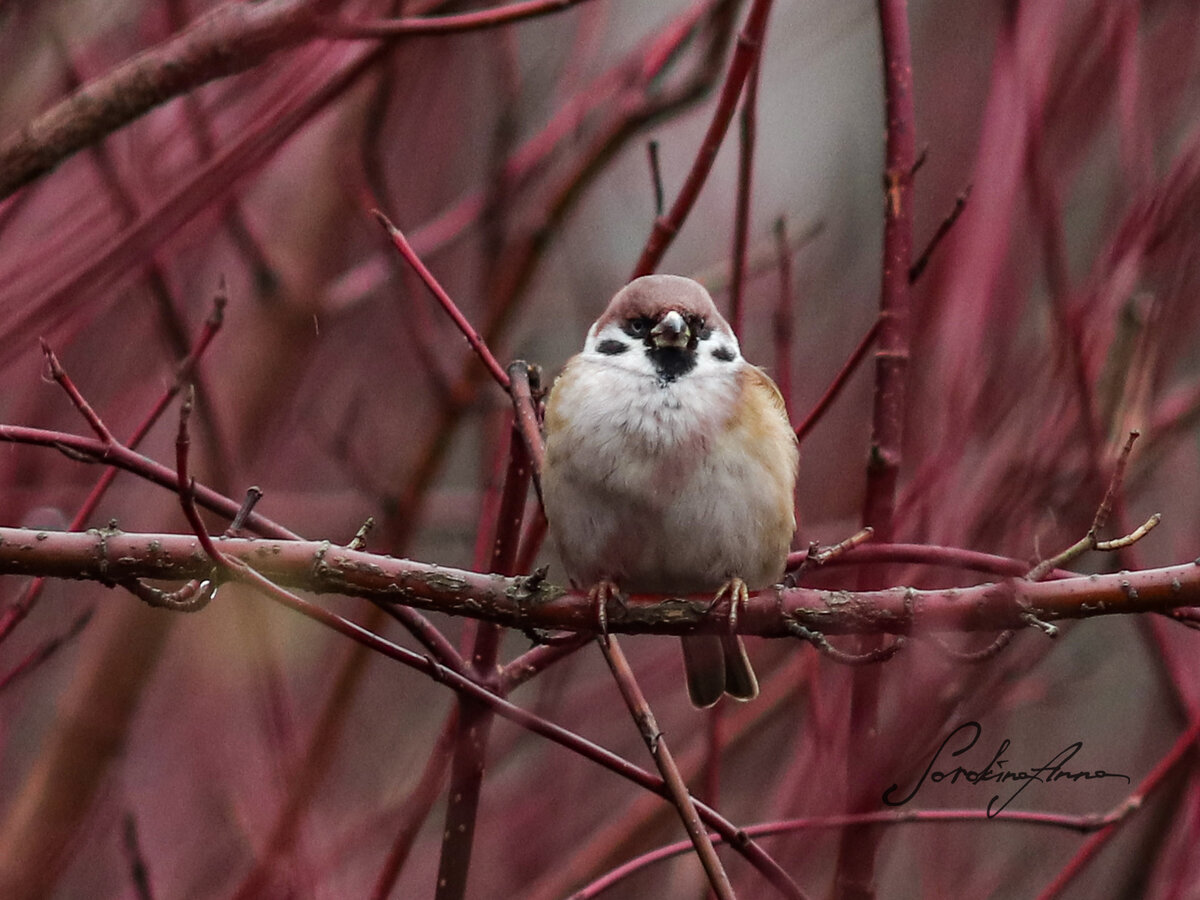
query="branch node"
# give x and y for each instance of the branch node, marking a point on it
(360, 537)
(1028, 617)
(818, 640)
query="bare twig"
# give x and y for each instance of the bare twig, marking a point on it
(413, 26)
(1180, 751)
(15, 613)
(474, 338)
(232, 38)
(992, 650)
(139, 872)
(532, 603)
(253, 495)
(665, 228)
(45, 650)
(85, 409)
(656, 177)
(360, 537)
(656, 743)
(192, 597)
(784, 314)
(845, 657)
(918, 268)
(1091, 540)
(525, 381)
(839, 382)
(747, 134)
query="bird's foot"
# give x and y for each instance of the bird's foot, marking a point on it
(738, 594)
(599, 594)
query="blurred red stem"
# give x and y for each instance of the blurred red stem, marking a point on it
(784, 316)
(410, 26)
(20, 609)
(744, 55)
(677, 791)
(1178, 752)
(474, 727)
(857, 846)
(474, 338)
(417, 808)
(753, 853)
(45, 650)
(745, 183)
(232, 38)
(839, 382)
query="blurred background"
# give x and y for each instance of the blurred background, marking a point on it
(250, 750)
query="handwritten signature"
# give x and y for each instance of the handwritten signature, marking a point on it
(997, 770)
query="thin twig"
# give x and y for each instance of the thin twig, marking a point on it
(753, 853)
(44, 651)
(666, 227)
(839, 382)
(187, 484)
(918, 268)
(992, 650)
(16, 612)
(747, 133)
(656, 179)
(192, 597)
(474, 338)
(525, 381)
(413, 26)
(139, 872)
(656, 743)
(784, 314)
(418, 806)
(845, 657)
(1180, 751)
(85, 409)
(1091, 540)
(253, 495)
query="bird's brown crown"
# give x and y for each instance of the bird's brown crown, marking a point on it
(653, 296)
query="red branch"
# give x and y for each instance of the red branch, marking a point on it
(232, 38)
(412, 26)
(474, 338)
(744, 55)
(530, 602)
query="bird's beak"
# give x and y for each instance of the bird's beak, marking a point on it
(671, 331)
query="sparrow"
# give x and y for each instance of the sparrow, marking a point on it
(670, 467)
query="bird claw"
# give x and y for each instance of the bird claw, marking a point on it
(738, 595)
(599, 595)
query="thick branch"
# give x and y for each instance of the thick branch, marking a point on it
(531, 603)
(232, 38)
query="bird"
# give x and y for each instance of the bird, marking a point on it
(670, 467)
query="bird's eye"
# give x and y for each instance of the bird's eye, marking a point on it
(704, 332)
(638, 328)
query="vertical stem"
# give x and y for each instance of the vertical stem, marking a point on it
(475, 719)
(891, 357)
(856, 852)
(677, 791)
(744, 55)
(784, 315)
(741, 220)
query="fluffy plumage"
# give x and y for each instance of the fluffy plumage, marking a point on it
(670, 464)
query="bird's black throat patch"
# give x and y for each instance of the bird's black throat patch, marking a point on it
(671, 362)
